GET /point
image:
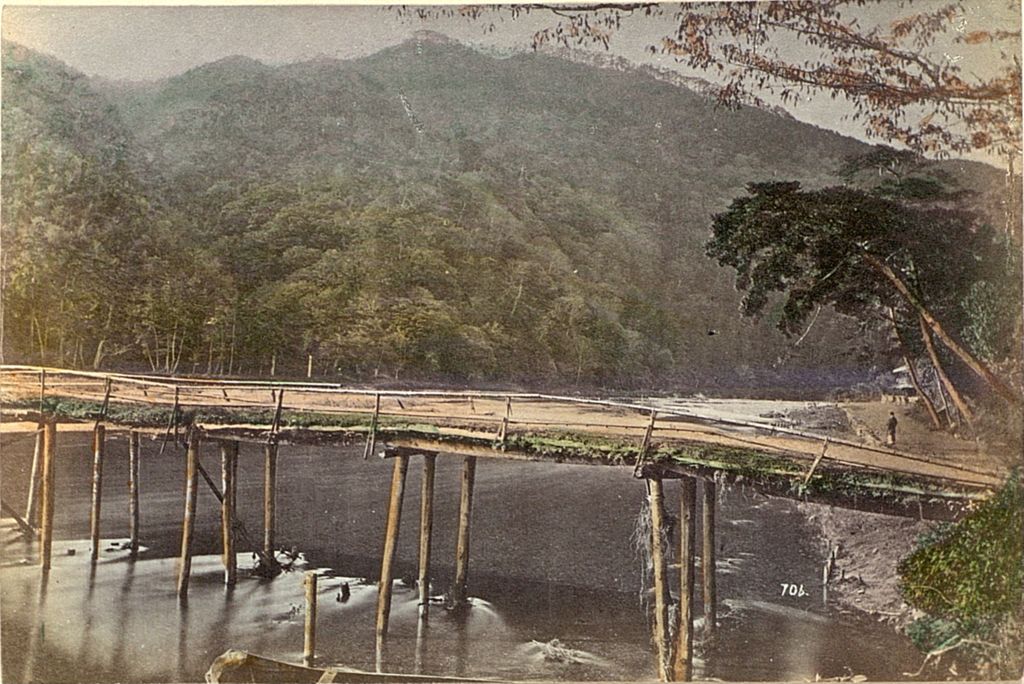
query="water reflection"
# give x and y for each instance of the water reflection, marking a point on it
(118, 656)
(37, 627)
(421, 637)
(181, 672)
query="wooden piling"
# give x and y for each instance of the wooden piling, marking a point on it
(390, 544)
(426, 530)
(462, 546)
(32, 507)
(99, 439)
(27, 530)
(309, 642)
(133, 493)
(269, 498)
(188, 524)
(47, 494)
(228, 456)
(708, 558)
(682, 665)
(655, 500)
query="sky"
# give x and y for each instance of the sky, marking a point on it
(152, 42)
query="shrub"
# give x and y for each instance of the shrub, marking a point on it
(974, 569)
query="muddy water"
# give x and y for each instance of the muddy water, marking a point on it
(551, 560)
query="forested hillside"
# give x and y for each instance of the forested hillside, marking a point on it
(425, 213)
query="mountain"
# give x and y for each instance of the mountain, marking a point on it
(525, 217)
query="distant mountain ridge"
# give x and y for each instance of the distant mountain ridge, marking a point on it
(599, 176)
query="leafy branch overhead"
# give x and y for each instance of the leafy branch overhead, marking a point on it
(903, 77)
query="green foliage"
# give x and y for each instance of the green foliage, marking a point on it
(992, 311)
(976, 569)
(813, 245)
(418, 214)
(930, 633)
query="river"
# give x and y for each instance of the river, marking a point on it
(551, 559)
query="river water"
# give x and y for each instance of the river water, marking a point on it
(551, 559)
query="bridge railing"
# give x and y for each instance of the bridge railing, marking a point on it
(500, 413)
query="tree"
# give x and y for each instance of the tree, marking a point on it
(856, 251)
(899, 84)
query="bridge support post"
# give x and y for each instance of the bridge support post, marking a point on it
(462, 546)
(309, 633)
(189, 521)
(133, 493)
(708, 559)
(655, 500)
(682, 665)
(99, 445)
(390, 544)
(228, 457)
(47, 494)
(426, 531)
(32, 507)
(269, 498)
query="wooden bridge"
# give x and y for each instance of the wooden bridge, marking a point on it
(655, 439)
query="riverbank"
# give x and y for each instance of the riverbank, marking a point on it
(868, 547)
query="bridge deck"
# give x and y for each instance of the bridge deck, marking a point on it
(692, 437)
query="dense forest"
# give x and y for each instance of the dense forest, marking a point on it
(427, 213)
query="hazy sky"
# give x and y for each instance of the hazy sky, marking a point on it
(142, 43)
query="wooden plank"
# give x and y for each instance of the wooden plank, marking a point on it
(810, 473)
(371, 439)
(708, 556)
(133, 492)
(99, 440)
(309, 632)
(503, 430)
(462, 545)
(269, 498)
(682, 663)
(655, 501)
(47, 495)
(426, 531)
(23, 525)
(390, 544)
(645, 445)
(188, 523)
(32, 507)
(228, 457)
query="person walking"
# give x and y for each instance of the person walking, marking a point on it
(891, 429)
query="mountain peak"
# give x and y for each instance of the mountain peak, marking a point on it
(428, 36)
(238, 61)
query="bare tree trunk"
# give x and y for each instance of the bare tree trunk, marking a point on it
(169, 358)
(950, 420)
(42, 342)
(958, 400)
(177, 356)
(932, 413)
(930, 321)
(97, 360)
(231, 360)
(149, 357)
